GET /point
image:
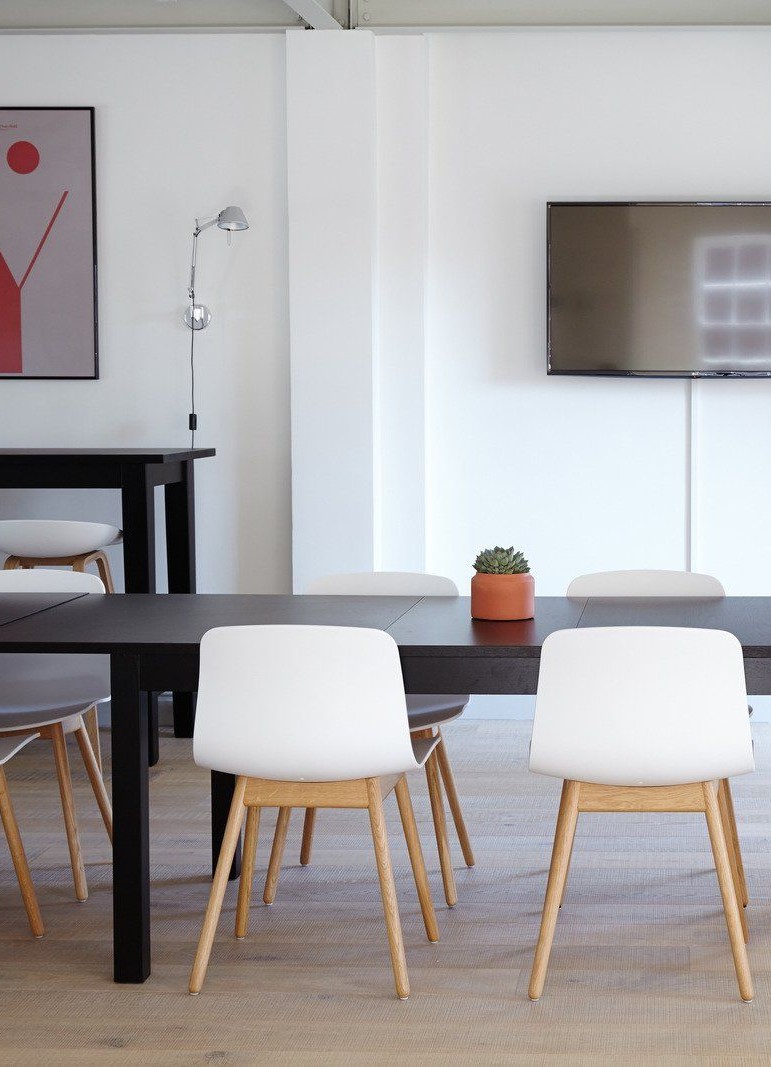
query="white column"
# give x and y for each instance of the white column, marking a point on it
(356, 136)
(331, 189)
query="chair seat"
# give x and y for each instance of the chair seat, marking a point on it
(425, 710)
(9, 746)
(39, 689)
(51, 538)
(423, 748)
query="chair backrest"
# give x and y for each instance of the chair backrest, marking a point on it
(383, 583)
(641, 705)
(48, 580)
(645, 583)
(301, 703)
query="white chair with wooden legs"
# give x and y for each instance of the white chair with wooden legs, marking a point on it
(33, 543)
(8, 748)
(299, 738)
(632, 583)
(427, 714)
(48, 695)
(642, 719)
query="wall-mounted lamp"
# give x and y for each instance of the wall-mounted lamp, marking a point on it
(198, 316)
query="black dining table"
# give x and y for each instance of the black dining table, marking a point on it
(153, 642)
(135, 472)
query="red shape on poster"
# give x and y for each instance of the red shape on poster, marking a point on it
(23, 157)
(10, 303)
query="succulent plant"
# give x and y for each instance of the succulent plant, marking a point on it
(501, 561)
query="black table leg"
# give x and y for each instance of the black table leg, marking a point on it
(131, 823)
(222, 787)
(150, 700)
(138, 505)
(180, 561)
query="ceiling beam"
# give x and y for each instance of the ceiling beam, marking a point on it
(503, 14)
(315, 13)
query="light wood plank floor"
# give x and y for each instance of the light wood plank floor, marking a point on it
(641, 970)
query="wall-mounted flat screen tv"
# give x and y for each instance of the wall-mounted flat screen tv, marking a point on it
(663, 290)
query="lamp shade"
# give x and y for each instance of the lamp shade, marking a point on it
(232, 218)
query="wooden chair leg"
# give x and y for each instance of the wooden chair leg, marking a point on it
(440, 829)
(19, 858)
(387, 889)
(727, 891)
(563, 842)
(416, 859)
(454, 802)
(91, 723)
(95, 778)
(219, 885)
(732, 859)
(742, 892)
(276, 855)
(247, 871)
(68, 809)
(103, 567)
(307, 843)
(570, 855)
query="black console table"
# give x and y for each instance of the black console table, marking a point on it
(136, 472)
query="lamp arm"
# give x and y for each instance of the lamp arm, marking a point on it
(191, 286)
(199, 228)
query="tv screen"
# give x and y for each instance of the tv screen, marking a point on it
(659, 289)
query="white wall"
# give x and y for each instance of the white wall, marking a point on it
(583, 474)
(184, 126)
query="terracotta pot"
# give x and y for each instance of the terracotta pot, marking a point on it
(502, 596)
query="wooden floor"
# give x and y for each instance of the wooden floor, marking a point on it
(641, 970)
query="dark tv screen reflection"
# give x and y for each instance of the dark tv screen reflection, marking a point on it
(660, 289)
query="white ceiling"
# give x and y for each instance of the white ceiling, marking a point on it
(224, 15)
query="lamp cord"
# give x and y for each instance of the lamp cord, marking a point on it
(192, 420)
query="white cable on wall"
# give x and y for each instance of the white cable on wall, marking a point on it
(691, 473)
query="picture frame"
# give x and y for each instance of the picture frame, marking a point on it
(48, 245)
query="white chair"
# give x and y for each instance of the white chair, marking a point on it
(642, 719)
(427, 714)
(33, 543)
(47, 695)
(280, 707)
(59, 543)
(8, 748)
(645, 583)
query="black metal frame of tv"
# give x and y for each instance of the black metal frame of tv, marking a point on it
(636, 373)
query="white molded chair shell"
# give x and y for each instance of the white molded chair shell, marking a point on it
(9, 746)
(383, 583)
(48, 580)
(302, 703)
(426, 710)
(645, 583)
(641, 706)
(48, 538)
(40, 688)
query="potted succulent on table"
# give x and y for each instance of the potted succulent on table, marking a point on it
(503, 587)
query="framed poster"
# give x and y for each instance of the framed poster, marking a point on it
(48, 320)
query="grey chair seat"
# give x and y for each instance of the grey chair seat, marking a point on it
(425, 710)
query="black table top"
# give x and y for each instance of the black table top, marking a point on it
(747, 617)
(15, 606)
(438, 626)
(176, 622)
(422, 627)
(116, 455)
